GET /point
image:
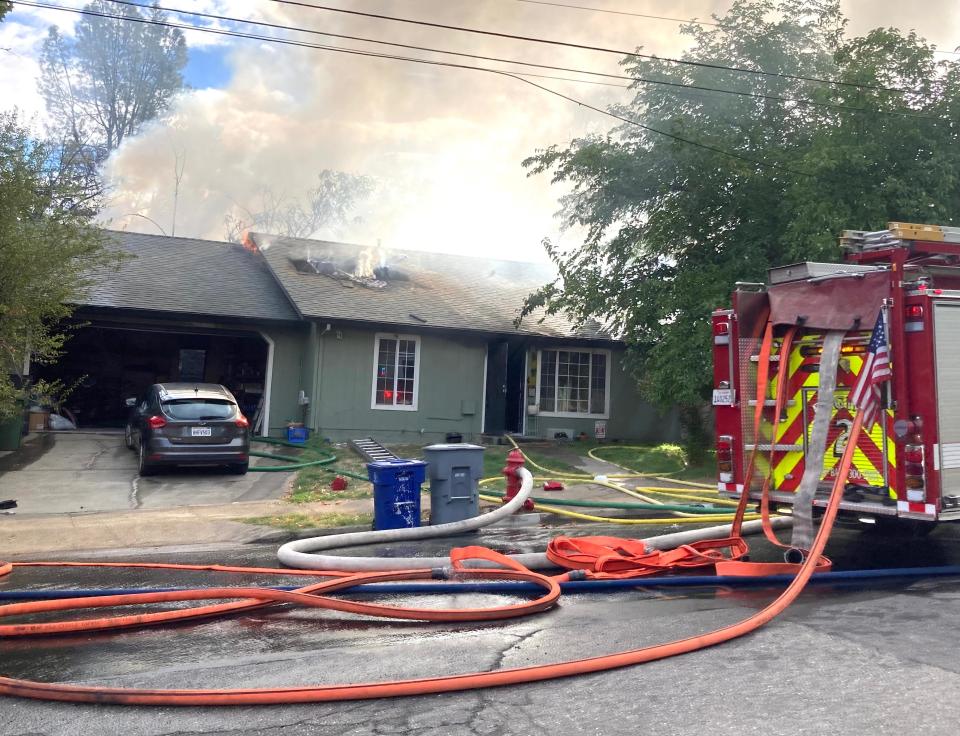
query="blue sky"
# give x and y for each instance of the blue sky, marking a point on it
(207, 67)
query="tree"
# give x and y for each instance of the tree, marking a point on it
(115, 75)
(47, 247)
(327, 205)
(737, 183)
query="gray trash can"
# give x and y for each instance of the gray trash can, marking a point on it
(455, 471)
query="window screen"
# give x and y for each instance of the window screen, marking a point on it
(573, 381)
(396, 377)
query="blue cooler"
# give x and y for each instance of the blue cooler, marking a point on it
(396, 492)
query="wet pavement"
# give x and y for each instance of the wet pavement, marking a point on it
(851, 659)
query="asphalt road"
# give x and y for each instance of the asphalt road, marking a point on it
(77, 472)
(877, 659)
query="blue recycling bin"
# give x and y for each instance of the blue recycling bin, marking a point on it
(396, 492)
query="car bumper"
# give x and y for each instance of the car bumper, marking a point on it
(162, 451)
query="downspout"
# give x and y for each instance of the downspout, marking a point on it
(317, 376)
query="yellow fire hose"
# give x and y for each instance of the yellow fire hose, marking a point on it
(677, 517)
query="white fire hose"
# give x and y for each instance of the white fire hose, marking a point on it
(301, 553)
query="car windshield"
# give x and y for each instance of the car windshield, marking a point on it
(199, 408)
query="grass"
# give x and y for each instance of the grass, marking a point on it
(297, 522)
(656, 459)
(313, 484)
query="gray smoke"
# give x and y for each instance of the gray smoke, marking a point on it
(444, 145)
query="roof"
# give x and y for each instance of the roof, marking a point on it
(188, 276)
(327, 280)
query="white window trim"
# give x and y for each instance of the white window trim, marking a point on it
(416, 372)
(574, 414)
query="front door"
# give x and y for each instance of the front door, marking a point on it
(495, 404)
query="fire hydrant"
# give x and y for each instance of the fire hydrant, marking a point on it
(514, 462)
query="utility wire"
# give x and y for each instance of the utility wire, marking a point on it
(429, 62)
(585, 47)
(632, 79)
(690, 21)
(619, 12)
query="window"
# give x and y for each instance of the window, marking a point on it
(199, 408)
(573, 382)
(396, 372)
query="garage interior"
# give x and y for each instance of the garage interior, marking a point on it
(111, 362)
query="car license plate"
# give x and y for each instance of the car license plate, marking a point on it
(200, 431)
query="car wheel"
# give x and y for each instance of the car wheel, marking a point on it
(240, 468)
(128, 437)
(143, 467)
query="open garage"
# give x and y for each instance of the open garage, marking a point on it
(181, 309)
(106, 362)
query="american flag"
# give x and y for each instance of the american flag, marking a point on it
(875, 370)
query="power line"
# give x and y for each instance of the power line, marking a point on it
(619, 12)
(680, 85)
(690, 21)
(357, 52)
(585, 47)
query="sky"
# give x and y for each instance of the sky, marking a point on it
(445, 146)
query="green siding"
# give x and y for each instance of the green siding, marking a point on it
(451, 380)
(630, 417)
(289, 377)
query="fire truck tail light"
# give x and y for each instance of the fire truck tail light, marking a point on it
(913, 454)
(913, 470)
(915, 311)
(725, 457)
(721, 332)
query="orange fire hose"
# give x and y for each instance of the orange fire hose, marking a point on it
(420, 686)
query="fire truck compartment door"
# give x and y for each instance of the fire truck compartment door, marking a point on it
(946, 325)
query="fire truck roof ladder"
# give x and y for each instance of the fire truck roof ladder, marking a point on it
(896, 233)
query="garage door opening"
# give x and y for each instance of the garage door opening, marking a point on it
(111, 363)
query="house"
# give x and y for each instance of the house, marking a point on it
(350, 340)
(181, 309)
(417, 344)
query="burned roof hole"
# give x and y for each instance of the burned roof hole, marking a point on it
(385, 273)
(305, 265)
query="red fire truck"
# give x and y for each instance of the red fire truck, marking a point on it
(907, 466)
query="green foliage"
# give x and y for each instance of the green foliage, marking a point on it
(671, 226)
(46, 247)
(110, 78)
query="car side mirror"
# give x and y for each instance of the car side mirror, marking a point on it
(130, 403)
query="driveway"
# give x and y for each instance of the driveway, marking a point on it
(73, 472)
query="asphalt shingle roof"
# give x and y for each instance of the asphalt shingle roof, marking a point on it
(188, 276)
(434, 289)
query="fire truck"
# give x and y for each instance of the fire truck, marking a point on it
(775, 371)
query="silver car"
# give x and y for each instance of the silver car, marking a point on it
(188, 424)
